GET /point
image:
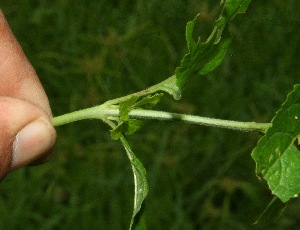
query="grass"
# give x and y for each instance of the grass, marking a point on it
(87, 52)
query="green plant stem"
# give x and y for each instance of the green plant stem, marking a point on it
(89, 113)
(104, 113)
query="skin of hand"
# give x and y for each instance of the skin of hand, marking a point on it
(26, 133)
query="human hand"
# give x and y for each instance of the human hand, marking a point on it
(26, 132)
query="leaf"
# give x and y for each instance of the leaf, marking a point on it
(216, 55)
(149, 101)
(133, 102)
(127, 127)
(234, 7)
(126, 106)
(170, 86)
(203, 57)
(140, 219)
(272, 212)
(276, 156)
(140, 180)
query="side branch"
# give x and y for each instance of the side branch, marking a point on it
(206, 121)
(104, 113)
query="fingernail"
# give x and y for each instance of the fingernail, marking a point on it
(32, 142)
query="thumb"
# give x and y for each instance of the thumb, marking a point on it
(26, 134)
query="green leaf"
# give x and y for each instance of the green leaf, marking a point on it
(216, 55)
(133, 102)
(276, 155)
(272, 212)
(127, 127)
(234, 7)
(126, 106)
(140, 219)
(203, 57)
(140, 180)
(149, 101)
(170, 86)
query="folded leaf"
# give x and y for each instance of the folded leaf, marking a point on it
(140, 180)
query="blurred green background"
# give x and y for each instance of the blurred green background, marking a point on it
(87, 52)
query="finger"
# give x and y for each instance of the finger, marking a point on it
(17, 76)
(26, 133)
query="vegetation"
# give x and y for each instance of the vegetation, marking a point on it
(87, 53)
